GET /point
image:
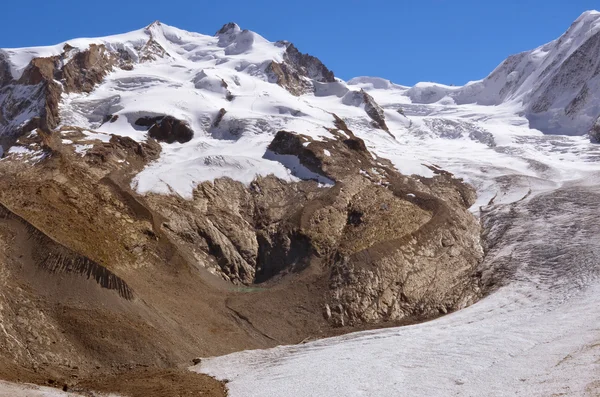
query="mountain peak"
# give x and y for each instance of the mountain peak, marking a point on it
(589, 14)
(154, 24)
(229, 28)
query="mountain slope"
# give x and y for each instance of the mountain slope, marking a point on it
(198, 195)
(169, 194)
(556, 86)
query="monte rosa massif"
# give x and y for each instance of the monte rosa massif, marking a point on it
(169, 196)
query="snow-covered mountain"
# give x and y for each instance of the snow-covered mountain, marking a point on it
(133, 163)
(556, 86)
(236, 89)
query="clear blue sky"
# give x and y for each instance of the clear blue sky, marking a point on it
(447, 41)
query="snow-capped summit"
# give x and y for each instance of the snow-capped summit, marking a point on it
(228, 28)
(236, 89)
(557, 85)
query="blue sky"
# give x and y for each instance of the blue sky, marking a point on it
(447, 41)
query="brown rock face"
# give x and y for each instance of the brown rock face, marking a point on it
(38, 93)
(87, 68)
(288, 78)
(297, 70)
(167, 129)
(389, 247)
(40, 73)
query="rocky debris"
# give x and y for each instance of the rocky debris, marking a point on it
(150, 382)
(56, 258)
(373, 110)
(166, 129)
(298, 71)
(120, 148)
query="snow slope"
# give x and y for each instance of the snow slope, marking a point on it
(557, 85)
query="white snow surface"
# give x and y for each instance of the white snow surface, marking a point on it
(557, 85)
(537, 335)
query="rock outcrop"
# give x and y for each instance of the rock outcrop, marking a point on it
(33, 100)
(372, 108)
(166, 129)
(387, 246)
(298, 71)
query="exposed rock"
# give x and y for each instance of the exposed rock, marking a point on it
(167, 129)
(87, 68)
(298, 71)
(228, 28)
(120, 148)
(385, 255)
(151, 51)
(38, 92)
(373, 110)
(308, 65)
(219, 117)
(290, 143)
(46, 94)
(288, 78)
(5, 74)
(595, 132)
(56, 258)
